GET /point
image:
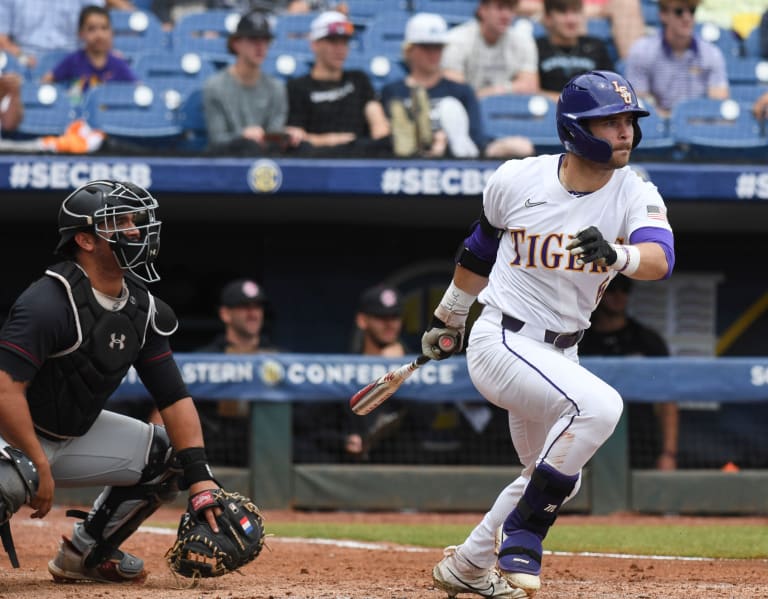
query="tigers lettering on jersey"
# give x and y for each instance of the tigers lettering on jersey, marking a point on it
(547, 250)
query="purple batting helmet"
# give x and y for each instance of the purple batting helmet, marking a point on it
(590, 95)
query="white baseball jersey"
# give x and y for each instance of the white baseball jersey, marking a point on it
(534, 278)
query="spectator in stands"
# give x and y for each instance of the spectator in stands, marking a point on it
(331, 432)
(731, 15)
(245, 109)
(29, 28)
(760, 107)
(95, 62)
(764, 35)
(332, 110)
(565, 52)
(614, 333)
(433, 115)
(11, 106)
(490, 55)
(676, 64)
(625, 16)
(242, 309)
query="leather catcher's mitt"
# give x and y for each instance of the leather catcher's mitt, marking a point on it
(200, 552)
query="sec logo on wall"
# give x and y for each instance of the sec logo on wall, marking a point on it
(265, 176)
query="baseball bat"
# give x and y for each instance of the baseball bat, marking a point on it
(376, 393)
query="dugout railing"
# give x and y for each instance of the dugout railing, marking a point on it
(271, 383)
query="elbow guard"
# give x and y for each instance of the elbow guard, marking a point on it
(477, 253)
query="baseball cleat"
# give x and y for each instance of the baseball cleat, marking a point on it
(485, 583)
(121, 568)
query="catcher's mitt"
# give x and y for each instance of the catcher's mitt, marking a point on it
(200, 552)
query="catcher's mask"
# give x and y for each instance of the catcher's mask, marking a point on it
(591, 95)
(101, 207)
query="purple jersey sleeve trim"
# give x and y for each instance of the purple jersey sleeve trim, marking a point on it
(483, 245)
(663, 237)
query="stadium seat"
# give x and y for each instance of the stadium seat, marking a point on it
(205, 33)
(384, 35)
(137, 31)
(134, 112)
(532, 116)
(727, 40)
(47, 110)
(465, 8)
(650, 10)
(10, 64)
(292, 33)
(602, 30)
(747, 92)
(380, 69)
(190, 117)
(752, 44)
(746, 70)
(657, 143)
(172, 73)
(45, 64)
(718, 129)
(363, 10)
(287, 65)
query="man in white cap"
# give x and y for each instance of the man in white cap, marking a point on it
(333, 110)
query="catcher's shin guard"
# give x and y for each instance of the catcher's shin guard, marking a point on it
(119, 511)
(18, 484)
(528, 524)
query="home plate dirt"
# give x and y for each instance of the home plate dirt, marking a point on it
(324, 569)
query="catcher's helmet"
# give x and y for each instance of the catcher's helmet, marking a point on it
(590, 95)
(98, 207)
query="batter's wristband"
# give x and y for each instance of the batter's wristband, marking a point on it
(194, 463)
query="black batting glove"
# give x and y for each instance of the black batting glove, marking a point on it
(589, 245)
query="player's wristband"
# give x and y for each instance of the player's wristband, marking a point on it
(627, 258)
(453, 309)
(194, 463)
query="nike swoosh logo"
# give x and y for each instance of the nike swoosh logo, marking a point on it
(530, 204)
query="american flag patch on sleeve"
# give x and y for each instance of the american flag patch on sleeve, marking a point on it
(246, 525)
(656, 213)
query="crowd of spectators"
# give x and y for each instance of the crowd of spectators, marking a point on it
(336, 109)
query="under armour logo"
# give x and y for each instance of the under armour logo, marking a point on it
(114, 340)
(551, 508)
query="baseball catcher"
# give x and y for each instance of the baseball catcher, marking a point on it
(201, 551)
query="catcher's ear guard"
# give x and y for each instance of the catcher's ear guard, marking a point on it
(201, 553)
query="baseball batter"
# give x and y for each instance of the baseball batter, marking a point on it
(553, 232)
(69, 340)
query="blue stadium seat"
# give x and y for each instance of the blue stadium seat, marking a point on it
(380, 69)
(360, 10)
(47, 110)
(171, 72)
(464, 8)
(46, 63)
(601, 29)
(134, 112)
(205, 33)
(384, 35)
(190, 117)
(752, 44)
(747, 92)
(292, 33)
(718, 129)
(727, 40)
(137, 31)
(746, 70)
(650, 10)
(532, 116)
(657, 143)
(287, 65)
(9, 64)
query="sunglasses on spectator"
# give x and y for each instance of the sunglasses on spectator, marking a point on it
(682, 10)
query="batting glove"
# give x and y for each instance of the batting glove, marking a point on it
(589, 245)
(441, 341)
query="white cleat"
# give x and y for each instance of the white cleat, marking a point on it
(527, 583)
(488, 583)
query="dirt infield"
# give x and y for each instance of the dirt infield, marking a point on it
(305, 569)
